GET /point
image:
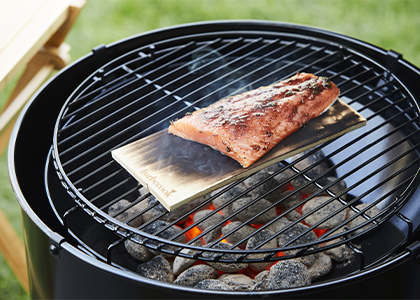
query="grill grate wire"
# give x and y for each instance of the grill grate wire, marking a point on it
(131, 82)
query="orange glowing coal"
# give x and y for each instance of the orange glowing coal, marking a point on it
(195, 231)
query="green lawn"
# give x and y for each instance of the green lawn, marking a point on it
(390, 24)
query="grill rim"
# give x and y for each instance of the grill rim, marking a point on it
(19, 184)
(75, 194)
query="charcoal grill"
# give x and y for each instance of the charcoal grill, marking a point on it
(133, 88)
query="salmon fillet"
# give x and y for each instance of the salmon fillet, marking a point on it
(248, 125)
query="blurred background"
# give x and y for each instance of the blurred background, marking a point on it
(389, 24)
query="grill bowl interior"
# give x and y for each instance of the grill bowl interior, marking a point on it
(138, 93)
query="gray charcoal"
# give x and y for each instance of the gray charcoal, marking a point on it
(260, 285)
(372, 212)
(238, 234)
(299, 183)
(158, 268)
(291, 199)
(121, 213)
(138, 251)
(262, 276)
(278, 225)
(270, 184)
(168, 234)
(256, 240)
(313, 161)
(203, 223)
(261, 281)
(288, 274)
(331, 210)
(196, 202)
(212, 284)
(253, 210)
(340, 254)
(225, 267)
(195, 274)
(209, 222)
(293, 216)
(227, 197)
(293, 232)
(320, 267)
(285, 240)
(316, 168)
(237, 282)
(181, 263)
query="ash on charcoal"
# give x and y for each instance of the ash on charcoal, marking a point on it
(316, 161)
(138, 251)
(262, 276)
(340, 254)
(371, 213)
(158, 268)
(288, 274)
(212, 284)
(238, 234)
(291, 237)
(290, 199)
(225, 267)
(254, 210)
(120, 212)
(278, 225)
(227, 197)
(320, 267)
(167, 234)
(157, 209)
(261, 281)
(237, 282)
(284, 274)
(318, 166)
(181, 263)
(293, 215)
(330, 211)
(268, 184)
(254, 241)
(201, 200)
(195, 274)
(203, 224)
(299, 183)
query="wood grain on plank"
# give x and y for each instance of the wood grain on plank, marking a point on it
(177, 171)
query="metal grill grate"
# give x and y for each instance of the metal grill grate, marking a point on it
(139, 93)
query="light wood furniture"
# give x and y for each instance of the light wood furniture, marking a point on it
(32, 34)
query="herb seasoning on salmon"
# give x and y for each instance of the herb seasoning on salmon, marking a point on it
(248, 125)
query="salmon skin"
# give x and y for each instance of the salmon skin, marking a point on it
(248, 125)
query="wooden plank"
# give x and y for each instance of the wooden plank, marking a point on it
(14, 16)
(59, 36)
(177, 171)
(36, 32)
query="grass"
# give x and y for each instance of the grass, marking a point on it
(390, 24)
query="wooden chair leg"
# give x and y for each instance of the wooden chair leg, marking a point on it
(36, 76)
(36, 72)
(53, 55)
(13, 251)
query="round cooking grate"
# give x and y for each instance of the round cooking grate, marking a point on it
(366, 175)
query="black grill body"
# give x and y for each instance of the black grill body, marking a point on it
(60, 267)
